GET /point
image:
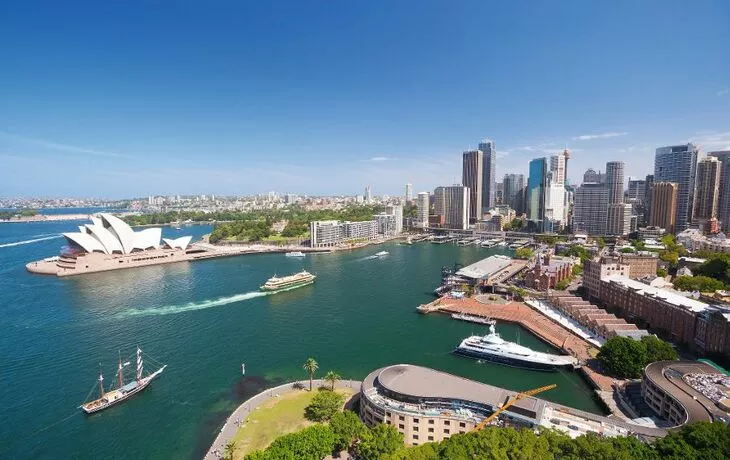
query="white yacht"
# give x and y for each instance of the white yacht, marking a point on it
(295, 254)
(382, 253)
(492, 347)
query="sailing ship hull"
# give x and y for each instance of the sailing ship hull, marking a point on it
(288, 287)
(116, 396)
(506, 361)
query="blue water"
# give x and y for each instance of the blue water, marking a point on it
(203, 319)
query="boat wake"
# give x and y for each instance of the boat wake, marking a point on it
(18, 243)
(192, 306)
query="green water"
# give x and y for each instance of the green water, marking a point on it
(204, 319)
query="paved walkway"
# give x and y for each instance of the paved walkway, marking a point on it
(229, 429)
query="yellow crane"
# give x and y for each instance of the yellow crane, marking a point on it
(510, 402)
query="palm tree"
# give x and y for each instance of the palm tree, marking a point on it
(229, 450)
(332, 377)
(311, 367)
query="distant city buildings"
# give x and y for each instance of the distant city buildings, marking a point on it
(453, 204)
(678, 164)
(618, 219)
(706, 191)
(590, 210)
(513, 186)
(423, 208)
(368, 195)
(489, 171)
(723, 196)
(664, 197)
(471, 177)
(409, 192)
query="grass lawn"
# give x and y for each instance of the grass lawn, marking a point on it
(276, 417)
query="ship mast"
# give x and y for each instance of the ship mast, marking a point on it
(101, 382)
(139, 364)
(120, 371)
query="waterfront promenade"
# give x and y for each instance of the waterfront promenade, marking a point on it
(239, 416)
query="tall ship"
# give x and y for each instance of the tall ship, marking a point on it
(123, 390)
(492, 347)
(284, 283)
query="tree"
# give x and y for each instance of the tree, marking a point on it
(312, 443)
(332, 377)
(524, 253)
(623, 356)
(658, 350)
(380, 440)
(562, 285)
(626, 250)
(698, 283)
(661, 272)
(347, 427)
(311, 367)
(601, 242)
(229, 450)
(324, 405)
(577, 270)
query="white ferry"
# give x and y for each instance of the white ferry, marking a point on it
(285, 283)
(295, 254)
(382, 253)
(492, 347)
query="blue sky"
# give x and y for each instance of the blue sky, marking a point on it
(119, 99)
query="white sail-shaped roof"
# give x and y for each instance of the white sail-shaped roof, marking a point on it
(147, 238)
(123, 232)
(86, 241)
(181, 242)
(107, 238)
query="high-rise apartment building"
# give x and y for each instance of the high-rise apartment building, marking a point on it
(488, 173)
(723, 207)
(396, 210)
(423, 207)
(647, 196)
(615, 181)
(535, 195)
(513, 185)
(590, 208)
(409, 192)
(452, 202)
(678, 164)
(664, 197)
(618, 219)
(368, 195)
(707, 185)
(471, 176)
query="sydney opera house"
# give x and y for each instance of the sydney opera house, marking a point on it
(108, 243)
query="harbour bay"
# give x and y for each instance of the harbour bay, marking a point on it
(204, 319)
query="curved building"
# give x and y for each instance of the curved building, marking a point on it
(670, 388)
(428, 405)
(108, 243)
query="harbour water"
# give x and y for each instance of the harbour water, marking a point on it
(204, 319)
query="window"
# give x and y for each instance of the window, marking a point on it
(401, 426)
(430, 421)
(430, 430)
(447, 422)
(415, 428)
(430, 438)
(415, 420)
(400, 417)
(446, 431)
(415, 436)
(462, 424)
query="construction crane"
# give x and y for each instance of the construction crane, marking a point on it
(510, 402)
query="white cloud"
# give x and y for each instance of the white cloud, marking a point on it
(379, 159)
(723, 92)
(588, 137)
(59, 146)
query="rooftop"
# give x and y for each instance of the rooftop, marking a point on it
(671, 297)
(485, 267)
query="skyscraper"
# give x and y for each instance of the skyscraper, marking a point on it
(637, 190)
(723, 208)
(647, 197)
(591, 177)
(706, 190)
(664, 197)
(452, 202)
(678, 164)
(409, 192)
(535, 195)
(618, 219)
(471, 176)
(488, 173)
(512, 186)
(368, 195)
(590, 208)
(615, 181)
(396, 210)
(422, 204)
(557, 167)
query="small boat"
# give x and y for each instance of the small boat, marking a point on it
(285, 283)
(295, 254)
(124, 390)
(473, 318)
(382, 253)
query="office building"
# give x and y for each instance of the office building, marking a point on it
(591, 177)
(664, 196)
(636, 191)
(723, 208)
(409, 192)
(618, 219)
(678, 164)
(615, 181)
(452, 202)
(590, 209)
(535, 195)
(489, 171)
(423, 206)
(471, 176)
(368, 195)
(707, 184)
(557, 167)
(512, 186)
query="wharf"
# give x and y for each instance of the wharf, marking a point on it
(541, 326)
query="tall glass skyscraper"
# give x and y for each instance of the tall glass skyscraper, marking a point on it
(536, 192)
(678, 164)
(489, 170)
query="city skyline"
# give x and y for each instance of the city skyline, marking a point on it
(206, 100)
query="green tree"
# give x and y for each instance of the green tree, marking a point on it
(229, 450)
(324, 405)
(601, 242)
(311, 367)
(623, 356)
(698, 283)
(332, 377)
(380, 440)
(658, 350)
(703, 440)
(562, 285)
(661, 272)
(626, 250)
(312, 443)
(524, 253)
(577, 270)
(347, 427)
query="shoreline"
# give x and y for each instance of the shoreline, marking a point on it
(239, 414)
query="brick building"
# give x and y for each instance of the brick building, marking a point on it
(548, 272)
